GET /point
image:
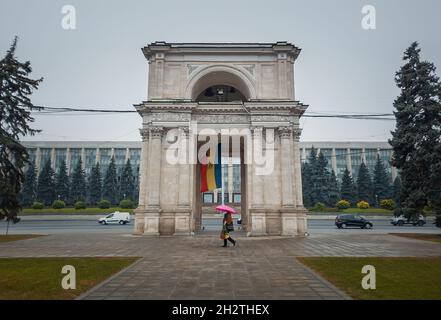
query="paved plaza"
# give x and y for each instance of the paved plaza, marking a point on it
(199, 268)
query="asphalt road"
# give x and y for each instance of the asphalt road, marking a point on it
(31, 225)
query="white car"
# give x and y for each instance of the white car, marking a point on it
(116, 217)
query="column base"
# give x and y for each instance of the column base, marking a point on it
(287, 221)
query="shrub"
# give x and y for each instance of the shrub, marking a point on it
(343, 204)
(319, 207)
(37, 205)
(80, 205)
(387, 204)
(126, 204)
(58, 204)
(362, 205)
(104, 204)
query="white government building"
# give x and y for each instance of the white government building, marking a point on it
(340, 155)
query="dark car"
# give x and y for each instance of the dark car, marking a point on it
(352, 220)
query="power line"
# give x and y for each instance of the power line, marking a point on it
(45, 110)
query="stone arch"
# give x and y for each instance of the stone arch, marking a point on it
(220, 75)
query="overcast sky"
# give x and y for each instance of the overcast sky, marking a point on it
(342, 67)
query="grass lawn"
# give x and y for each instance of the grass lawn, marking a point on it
(50, 211)
(396, 278)
(16, 237)
(420, 236)
(40, 278)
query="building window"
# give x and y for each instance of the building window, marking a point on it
(90, 160)
(355, 162)
(340, 159)
(207, 198)
(60, 156)
(236, 198)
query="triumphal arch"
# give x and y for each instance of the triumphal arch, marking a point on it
(236, 95)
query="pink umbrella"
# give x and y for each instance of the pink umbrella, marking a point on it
(224, 208)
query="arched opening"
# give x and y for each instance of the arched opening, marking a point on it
(220, 86)
(221, 93)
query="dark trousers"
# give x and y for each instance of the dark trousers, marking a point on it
(229, 239)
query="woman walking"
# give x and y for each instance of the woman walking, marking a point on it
(227, 226)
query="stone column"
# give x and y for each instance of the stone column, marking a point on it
(302, 225)
(83, 158)
(349, 161)
(183, 212)
(143, 176)
(68, 160)
(257, 219)
(230, 186)
(38, 160)
(53, 164)
(152, 207)
(288, 214)
(334, 161)
(286, 167)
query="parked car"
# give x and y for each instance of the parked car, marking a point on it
(116, 217)
(352, 220)
(402, 220)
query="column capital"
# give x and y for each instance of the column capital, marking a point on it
(297, 133)
(145, 133)
(156, 132)
(285, 132)
(185, 130)
(256, 131)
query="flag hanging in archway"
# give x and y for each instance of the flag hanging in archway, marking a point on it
(211, 173)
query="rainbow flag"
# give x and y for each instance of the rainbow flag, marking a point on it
(211, 173)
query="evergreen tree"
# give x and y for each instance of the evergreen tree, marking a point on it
(321, 176)
(381, 181)
(110, 184)
(364, 184)
(78, 184)
(95, 184)
(348, 190)
(62, 183)
(127, 189)
(397, 191)
(416, 137)
(46, 184)
(15, 116)
(28, 192)
(312, 162)
(334, 194)
(307, 184)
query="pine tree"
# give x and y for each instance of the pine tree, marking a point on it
(78, 184)
(334, 194)
(416, 137)
(348, 189)
(15, 116)
(62, 183)
(306, 184)
(364, 184)
(381, 181)
(397, 191)
(110, 184)
(127, 189)
(313, 180)
(46, 184)
(95, 184)
(321, 178)
(28, 192)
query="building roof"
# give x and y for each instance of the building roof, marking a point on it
(220, 47)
